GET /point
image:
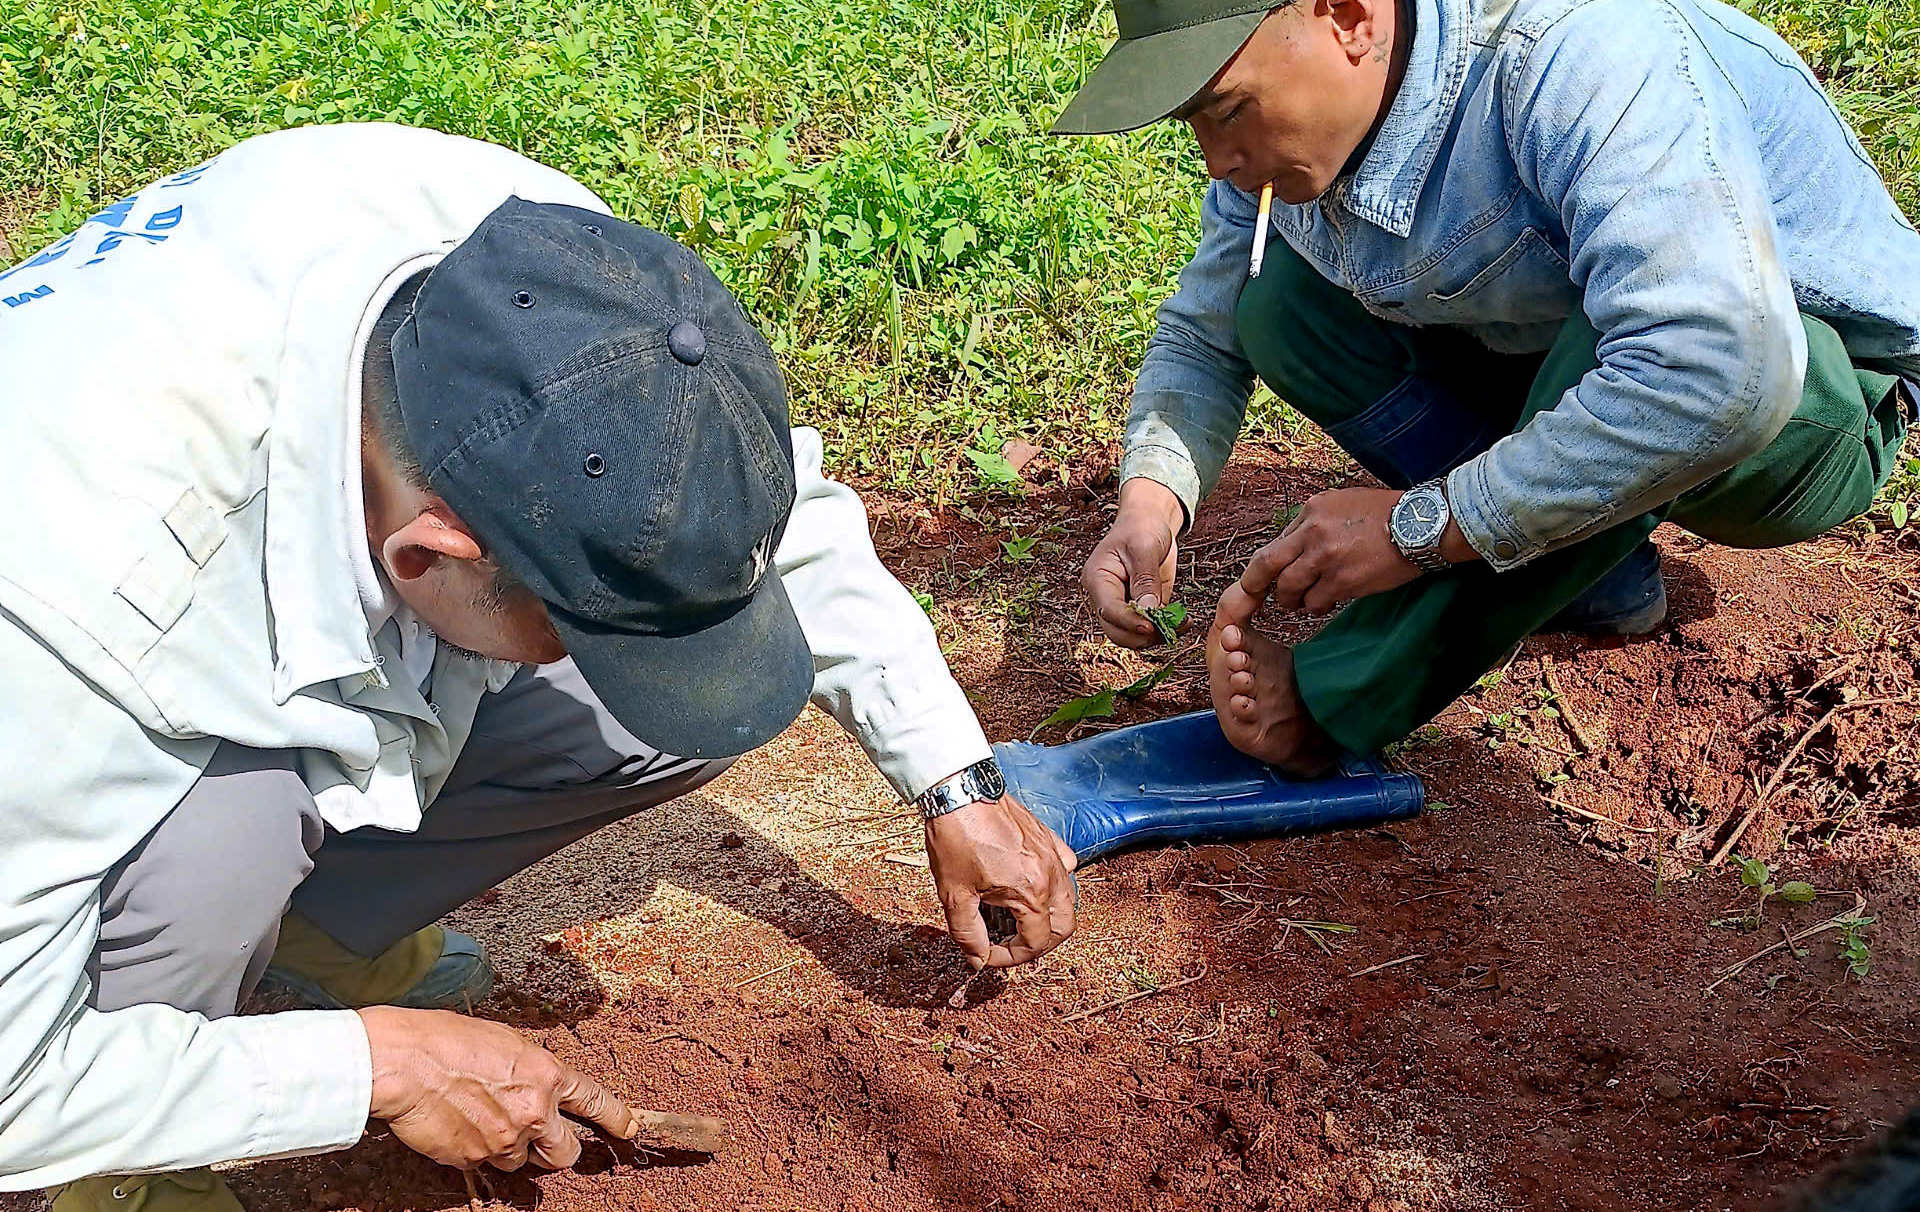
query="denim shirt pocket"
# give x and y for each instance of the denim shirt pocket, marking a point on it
(1528, 283)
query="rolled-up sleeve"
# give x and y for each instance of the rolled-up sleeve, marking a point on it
(1646, 153)
(148, 1087)
(876, 661)
(1190, 398)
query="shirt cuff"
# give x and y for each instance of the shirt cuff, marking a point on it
(1488, 528)
(915, 752)
(313, 1080)
(1165, 465)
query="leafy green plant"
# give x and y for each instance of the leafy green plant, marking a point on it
(1017, 549)
(996, 473)
(1758, 877)
(1101, 703)
(1853, 945)
(1167, 620)
(923, 600)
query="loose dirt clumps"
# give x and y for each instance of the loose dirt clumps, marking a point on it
(1513, 1013)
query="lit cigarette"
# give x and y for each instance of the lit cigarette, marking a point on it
(1260, 230)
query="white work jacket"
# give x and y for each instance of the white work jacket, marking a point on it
(177, 382)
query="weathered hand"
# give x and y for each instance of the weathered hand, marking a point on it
(1136, 561)
(464, 1091)
(995, 851)
(1336, 550)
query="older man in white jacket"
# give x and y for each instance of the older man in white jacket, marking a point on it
(386, 516)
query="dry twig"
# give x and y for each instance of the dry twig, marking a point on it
(769, 972)
(1405, 959)
(1117, 1002)
(1582, 740)
(1779, 772)
(1594, 816)
(1736, 968)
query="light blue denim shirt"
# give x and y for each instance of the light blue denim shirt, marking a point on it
(1670, 166)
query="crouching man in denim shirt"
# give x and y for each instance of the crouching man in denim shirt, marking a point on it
(1553, 270)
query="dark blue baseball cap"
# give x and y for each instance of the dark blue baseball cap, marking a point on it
(594, 405)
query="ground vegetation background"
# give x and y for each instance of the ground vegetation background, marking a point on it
(872, 177)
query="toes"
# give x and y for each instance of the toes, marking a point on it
(1243, 708)
(1241, 683)
(1238, 660)
(1232, 638)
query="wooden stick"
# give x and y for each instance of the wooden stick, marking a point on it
(769, 972)
(1779, 772)
(1405, 959)
(1736, 968)
(1581, 739)
(1132, 997)
(1594, 816)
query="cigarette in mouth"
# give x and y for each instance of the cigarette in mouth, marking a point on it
(1260, 230)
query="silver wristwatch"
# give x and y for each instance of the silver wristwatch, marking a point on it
(980, 781)
(1418, 523)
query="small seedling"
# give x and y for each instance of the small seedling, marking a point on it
(996, 472)
(1019, 549)
(1853, 945)
(923, 600)
(1499, 728)
(1142, 979)
(1758, 876)
(1284, 515)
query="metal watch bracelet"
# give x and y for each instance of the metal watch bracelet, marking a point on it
(980, 781)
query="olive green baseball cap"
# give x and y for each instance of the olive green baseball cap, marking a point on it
(1168, 50)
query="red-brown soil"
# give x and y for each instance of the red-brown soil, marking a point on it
(752, 952)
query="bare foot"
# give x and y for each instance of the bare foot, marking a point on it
(1259, 705)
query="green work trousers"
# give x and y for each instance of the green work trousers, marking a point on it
(1390, 662)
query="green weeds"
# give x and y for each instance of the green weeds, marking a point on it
(871, 177)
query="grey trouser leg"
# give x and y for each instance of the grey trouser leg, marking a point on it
(546, 765)
(190, 917)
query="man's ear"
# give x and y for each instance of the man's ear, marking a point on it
(434, 534)
(1357, 26)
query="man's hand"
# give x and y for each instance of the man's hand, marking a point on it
(996, 852)
(464, 1091)
(1335, 551)
(1136, 561)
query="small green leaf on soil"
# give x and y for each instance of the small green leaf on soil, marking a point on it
(1146, 684)
(1753, 872)
(1796, 892)
(1073, 711)
(996, 472)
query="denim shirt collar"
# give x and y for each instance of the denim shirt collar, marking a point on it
(1385, 189)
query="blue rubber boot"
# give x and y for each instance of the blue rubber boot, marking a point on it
(1179, 780)
(1630, 600)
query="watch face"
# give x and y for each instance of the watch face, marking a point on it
(1419, 517)
(993, 784)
